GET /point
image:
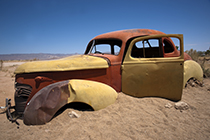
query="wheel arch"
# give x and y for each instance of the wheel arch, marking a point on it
(46, 102)
(192, 70)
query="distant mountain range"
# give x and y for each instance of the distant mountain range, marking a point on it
(32, 56)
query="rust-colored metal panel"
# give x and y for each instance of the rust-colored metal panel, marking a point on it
(46, 103)
(127, 34)
(124, 36)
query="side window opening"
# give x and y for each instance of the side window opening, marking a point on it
(168, 47)
(106, 46)
(116, 50)
(149, 48)
(102, 48)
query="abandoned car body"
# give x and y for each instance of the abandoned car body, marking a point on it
(138, 62)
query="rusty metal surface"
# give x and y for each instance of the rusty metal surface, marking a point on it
(22, 93)
(127, 34)
(124, 36)
(43, 106)
(187, 57)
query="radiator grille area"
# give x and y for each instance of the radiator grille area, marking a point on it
(22, 93)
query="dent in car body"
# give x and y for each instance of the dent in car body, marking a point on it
(45, 103)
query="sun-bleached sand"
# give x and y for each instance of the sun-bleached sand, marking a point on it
(128, 118)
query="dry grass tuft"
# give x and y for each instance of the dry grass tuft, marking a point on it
(1, 64)
(202, 60)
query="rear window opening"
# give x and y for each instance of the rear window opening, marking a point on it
(155, 47)
(168, 47)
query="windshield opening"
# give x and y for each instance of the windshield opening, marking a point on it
(105, 46)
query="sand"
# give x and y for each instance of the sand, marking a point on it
(128, 118)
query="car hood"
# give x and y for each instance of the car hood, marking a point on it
(75, 62)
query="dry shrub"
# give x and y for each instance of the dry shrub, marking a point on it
(193, 53)
(1, 64)
(203, 61)
(205, 67)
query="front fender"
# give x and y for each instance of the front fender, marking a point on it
(45, 103)
(192, 70)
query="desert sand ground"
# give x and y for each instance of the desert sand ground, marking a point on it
(128, 118)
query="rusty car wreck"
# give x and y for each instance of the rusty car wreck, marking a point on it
(137, 62)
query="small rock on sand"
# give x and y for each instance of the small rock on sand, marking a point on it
(168, 105)
(73, 115)
(181, 106)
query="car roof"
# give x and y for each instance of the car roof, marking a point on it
(124, 35)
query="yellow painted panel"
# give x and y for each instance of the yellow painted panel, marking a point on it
(95, 94)
(192, 70)
(76, 62)
(163, 79)
(160, 77)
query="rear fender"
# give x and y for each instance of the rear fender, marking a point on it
(192, 70)
(45, 103)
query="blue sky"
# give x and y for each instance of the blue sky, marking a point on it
(66, 26)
